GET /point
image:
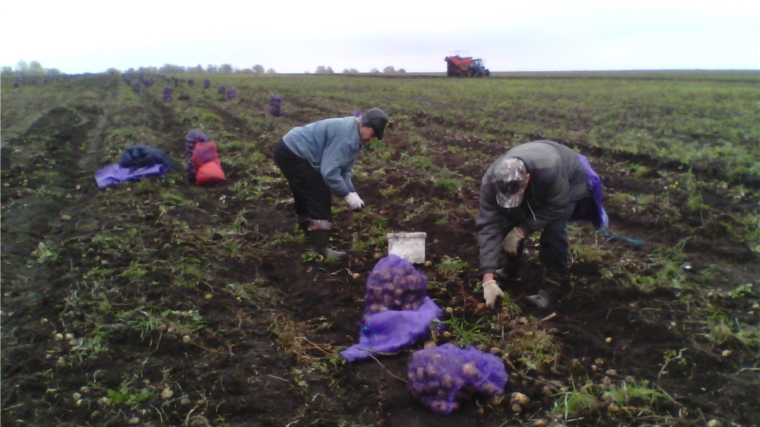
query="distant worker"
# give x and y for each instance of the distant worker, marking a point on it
(538, 185)
(317, 159)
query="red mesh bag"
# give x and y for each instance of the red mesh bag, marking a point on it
(206, 163)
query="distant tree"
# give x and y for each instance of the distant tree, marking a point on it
(198, 69)
(330, 70)
(172, 69)
(271, 71)
(401, 70)
(22, 66)
(321, 69)
(389, 69)
(374, 70)
(259, 69)
(53, 72)
(212, 69)
(148, 70)
(354, 71)
(345, 71)
(36, 68)
(246, 71)
(225, 69)
(7, 70)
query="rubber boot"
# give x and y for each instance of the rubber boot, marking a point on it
(320, 240)
(303, 226)
(510, 272)
(554, 283)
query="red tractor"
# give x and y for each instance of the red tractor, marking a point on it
(465, 67)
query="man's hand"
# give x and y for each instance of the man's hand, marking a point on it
(491, 291)
(354, 201)
(512, 242)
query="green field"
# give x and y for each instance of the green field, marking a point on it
(158, 302)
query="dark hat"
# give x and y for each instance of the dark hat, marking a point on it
(376, 119)
(510, 177)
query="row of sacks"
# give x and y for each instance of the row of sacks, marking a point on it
(203, 166)
(398, 314)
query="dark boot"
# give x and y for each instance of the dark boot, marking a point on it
(554, 285)
(320, 240)
(507, 274)
(303, 226)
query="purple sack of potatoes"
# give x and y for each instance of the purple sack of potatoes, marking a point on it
(206, 84)
(394, 284)
(231, 93)
(441, 378)
(221, 89)
(275, 106)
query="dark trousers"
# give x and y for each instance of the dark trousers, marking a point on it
(554, 249)
(311, 194)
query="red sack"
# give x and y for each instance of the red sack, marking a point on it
(208, 168)
(209, 173)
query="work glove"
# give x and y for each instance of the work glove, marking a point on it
(491, 291)
(511, 243)
(354, 201)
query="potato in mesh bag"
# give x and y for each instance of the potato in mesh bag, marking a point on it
(394, 284)
(441, 378)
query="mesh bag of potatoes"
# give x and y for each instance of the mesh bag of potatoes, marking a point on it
(397, 314)
(441, 378)
(394, 284)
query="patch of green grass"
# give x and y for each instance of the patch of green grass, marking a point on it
(466, 333)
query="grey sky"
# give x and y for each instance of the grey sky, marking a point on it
(296, 36)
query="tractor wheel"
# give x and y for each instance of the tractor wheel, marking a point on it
(488, 73)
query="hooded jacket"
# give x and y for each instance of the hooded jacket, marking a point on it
(557, 178)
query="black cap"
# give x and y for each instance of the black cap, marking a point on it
(376, 119)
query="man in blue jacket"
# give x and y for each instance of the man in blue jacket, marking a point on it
(534, 186)
(317, 159)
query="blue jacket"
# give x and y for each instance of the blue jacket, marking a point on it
(331, 146)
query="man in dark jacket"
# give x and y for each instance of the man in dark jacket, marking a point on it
(534, 186)
(317, 160)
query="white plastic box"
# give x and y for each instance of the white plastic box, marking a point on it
(410, 246)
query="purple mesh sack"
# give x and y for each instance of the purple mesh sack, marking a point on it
(394, 330)
(136, 87)
(591, 208)
(168, 90)
(206, 84)
(441, 378)
(231, 93)
(398, 313)
(394, 284)
(275, 106)
(191, 139)
(221, 89)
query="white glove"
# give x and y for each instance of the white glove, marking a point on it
(491, 291)
(354, 201)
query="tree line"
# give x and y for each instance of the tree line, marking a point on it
(35, 68)
(31, 68)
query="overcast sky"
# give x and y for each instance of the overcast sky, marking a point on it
(294, 36)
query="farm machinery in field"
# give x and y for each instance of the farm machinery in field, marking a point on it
(458, 66)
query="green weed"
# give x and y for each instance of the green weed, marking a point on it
(465, 333)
